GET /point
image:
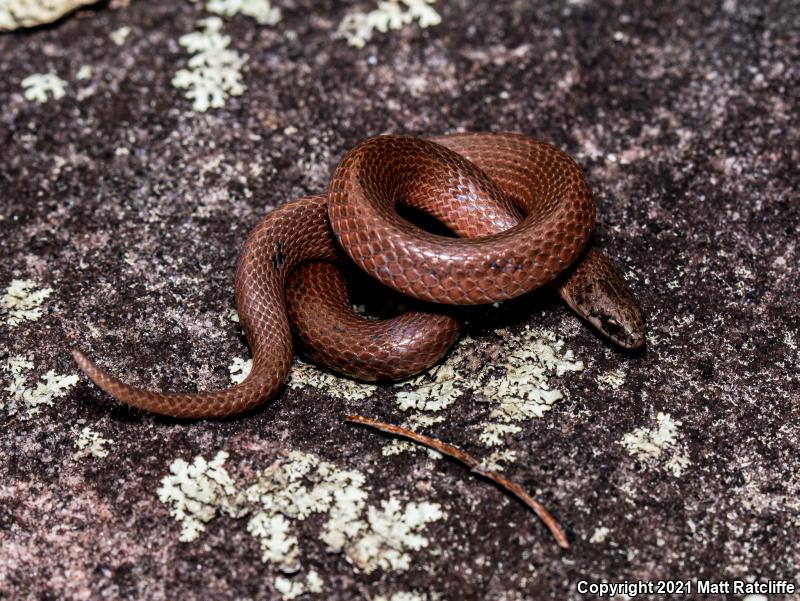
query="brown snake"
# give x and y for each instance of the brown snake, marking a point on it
(524, 214)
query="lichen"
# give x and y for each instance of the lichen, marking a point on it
(196, 492)
(41, 87)
(401, 596)
(492, 433)
(214, 72)
(304, 374)
(291, 589)
(23, 301)
(437, 388)
(92, 443)
(520, 388)
(357, 27)
(288, 491)
(240, 369)
(613, 379)
(27, 402)
(496, 459)
(414, 422)
(393, 530)
(118, 36)
(658, 444)
(260, 10)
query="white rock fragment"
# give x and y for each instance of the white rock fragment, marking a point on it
(92, 443)
(23, 301)
(28, 402)
(240, 369)
(15, 14)
(214, 72)
(40, 87)
(401, 596)
(357, 27)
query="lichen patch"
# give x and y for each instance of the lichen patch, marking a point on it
(658, 445)
(357, 27)
(214, 70)
(520, 388)
(92, 443)
(23, 301)
(26, 401)
(261, 10)
(304, 374)
(239, 369)
(289, 491)
(42, 87)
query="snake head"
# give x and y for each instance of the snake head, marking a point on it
(598, 294)
(621, 323)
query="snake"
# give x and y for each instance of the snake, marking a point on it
(520, 214)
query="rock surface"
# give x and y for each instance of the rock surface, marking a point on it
(679, 462)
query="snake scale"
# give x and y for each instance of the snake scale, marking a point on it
(522, 214)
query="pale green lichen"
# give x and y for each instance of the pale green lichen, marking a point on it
(291, 589)
(240, 369)
(303, 374)
(497, 458)
(492, 433)
(437, 388)
(401, 596)
(214, 72)
(414, 422)
(260, 10)
(41, 87)
(521, 388)
(613, 379)
(357, 27)
(599, 535)
(658, 444)
(196, 492)
(393, 530)
(291, 490)
(118, 36)
(90, 442)
(23, 301)
(27, 402)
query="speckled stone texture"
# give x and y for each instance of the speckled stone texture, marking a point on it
(132, 208)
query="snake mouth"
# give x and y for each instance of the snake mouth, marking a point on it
(626, 336)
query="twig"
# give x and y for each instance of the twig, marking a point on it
(475, 466)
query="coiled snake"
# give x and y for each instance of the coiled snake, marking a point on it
(523, 213)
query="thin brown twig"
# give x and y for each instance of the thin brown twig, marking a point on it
(475, 466)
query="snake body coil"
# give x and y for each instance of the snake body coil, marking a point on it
(523, 213)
